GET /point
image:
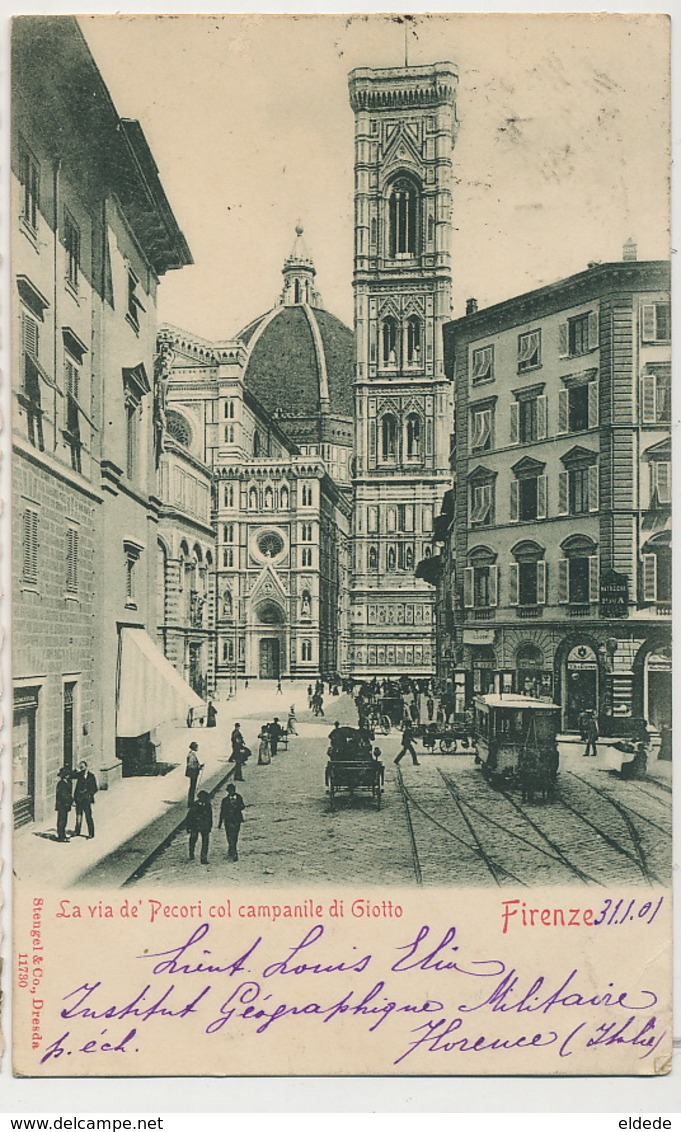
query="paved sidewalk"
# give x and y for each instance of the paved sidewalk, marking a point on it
(571, 751)
(137, 814)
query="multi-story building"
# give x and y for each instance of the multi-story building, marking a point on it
(92, 232)
(404, 132)
(281, 523)
(561, 538)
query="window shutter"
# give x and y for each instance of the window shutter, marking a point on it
(563, 493)
(594, 578)
(649, 577)
(493, 584)
(648, 398)
(468, 576)
(542, 493)
(593, 404)
(541, 582)
(563, 410)
(648, 322)
(514, 501)
(593, 330)
(542, 417)
(663, 481)
(593, 488)
(30, 546)
(513, 584)
(563, 340)
(72, 560)
(29, 334)
(515, 422)
(563, 580)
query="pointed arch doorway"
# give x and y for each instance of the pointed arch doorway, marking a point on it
(271, 632)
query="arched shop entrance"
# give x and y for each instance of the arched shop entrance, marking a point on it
(580, 684)
(483, 663)
(653, 682)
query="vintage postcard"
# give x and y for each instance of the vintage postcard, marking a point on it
(341, 504)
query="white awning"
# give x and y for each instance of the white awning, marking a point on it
(150, 690)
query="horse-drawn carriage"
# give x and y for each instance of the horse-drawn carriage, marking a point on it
(352, 765)
(516, 745)
(454, 737)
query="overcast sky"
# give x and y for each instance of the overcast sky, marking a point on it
(562, 151)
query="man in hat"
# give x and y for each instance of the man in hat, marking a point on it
(63, 801)
(84, 796)
(231, 817)
(200, 822)
(590, 734)
(239, 754)
(192, 771)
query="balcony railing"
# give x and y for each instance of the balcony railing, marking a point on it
(527, 612)
(582, 610)
(484, 613)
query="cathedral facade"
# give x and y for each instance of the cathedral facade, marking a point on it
(405, 121)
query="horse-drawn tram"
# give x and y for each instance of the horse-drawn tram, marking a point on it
(516, 745)
(352, 766)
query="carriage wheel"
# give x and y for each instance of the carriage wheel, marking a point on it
(385, 724)
(447, 745)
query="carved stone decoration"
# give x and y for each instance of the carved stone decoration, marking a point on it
(163, 364)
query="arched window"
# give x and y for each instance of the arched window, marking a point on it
(227, 556)
(389, 341)
(527, 575)
(228, 495)
(229, 434)
(179, 428)
(229, 409)
(403, 217)
(296, 291)
(413, 340)
(253, 499)
(389, 437)
(413, 435)
(373, 557)
(306, 650)
(269, 499)
(307, 495)
(257, 443)
(284, 499)
(374, 232)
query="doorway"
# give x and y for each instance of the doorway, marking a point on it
(581, 685)
(67, 725)
(269, 658)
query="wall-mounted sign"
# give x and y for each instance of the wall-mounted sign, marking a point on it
(582, 656)
(478, 636)
(614, 594)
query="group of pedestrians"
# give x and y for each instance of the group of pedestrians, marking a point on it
(199, 822)
(75, 787)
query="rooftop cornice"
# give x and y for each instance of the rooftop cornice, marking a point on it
(397, 87)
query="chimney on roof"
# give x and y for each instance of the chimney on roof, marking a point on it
(629, 251)
(471, 306)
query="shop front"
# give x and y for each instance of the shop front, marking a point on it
(580, 683)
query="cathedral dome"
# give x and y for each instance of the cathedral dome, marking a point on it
(301, 358)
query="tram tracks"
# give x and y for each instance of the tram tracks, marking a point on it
(497, 842)
(476, 849)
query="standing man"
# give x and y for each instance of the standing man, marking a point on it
(591, 735)
(238, 752)
(84, 796)
(63, 801)
(407, 745)
(211, 714)
(200, 821)
(430, 708)
(279, 690)
(231, 817)
(275, 736)
(192, 771)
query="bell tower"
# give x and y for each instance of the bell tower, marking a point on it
(405, 121)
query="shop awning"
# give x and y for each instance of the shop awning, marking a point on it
(150, 690)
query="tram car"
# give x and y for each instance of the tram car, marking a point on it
(515, 737)
(352, 766)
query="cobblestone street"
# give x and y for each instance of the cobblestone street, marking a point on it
(440, 824)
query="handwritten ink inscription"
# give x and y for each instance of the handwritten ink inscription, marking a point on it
(473, 1006)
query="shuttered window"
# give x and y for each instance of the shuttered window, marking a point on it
(660, 483)
(655, 322)
(529, 350)
(71, 560)
(578, 335)
(30, 546)
(649, 567)
(656, 397)
(483, 364)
